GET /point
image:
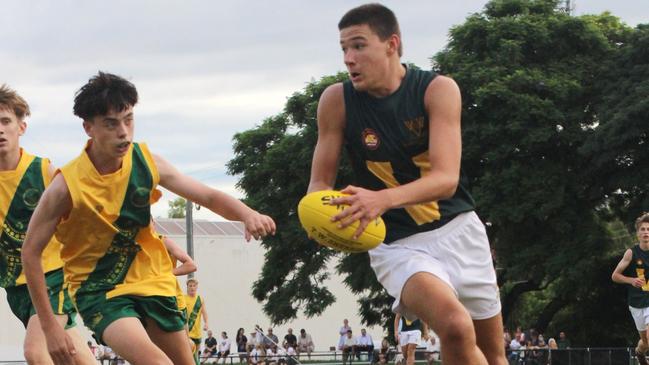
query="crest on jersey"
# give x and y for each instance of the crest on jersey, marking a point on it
(371, 139)
(415, 126)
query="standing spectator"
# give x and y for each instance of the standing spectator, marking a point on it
(257, 355)
(290, 339)
(432, 350)
(514, 346)
(254, 340)
(242, 342)
(305, 343)
(343, 333)
(364, 342)
(519, 335)
(270, 339)
(564, 342)
(210, 346)
(224, 347)
(348, 347)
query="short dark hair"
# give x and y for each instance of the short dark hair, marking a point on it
(102, 93)
(379, 18)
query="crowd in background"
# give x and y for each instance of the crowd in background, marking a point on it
(531, 347)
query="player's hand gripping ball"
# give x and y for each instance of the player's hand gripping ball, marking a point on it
(315, 213)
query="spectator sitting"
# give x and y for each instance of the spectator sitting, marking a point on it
(290, 339)
(386, 349)
(242, 342)
(281, 355)
(210, 345)
(364, 343)
(257, 355)
(224, 347)
(271, 355)
(382, 359)
(270, 339)
(291, 355)
(349, 344)
(305, 343)
(432, 350)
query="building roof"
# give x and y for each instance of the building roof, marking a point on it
(176, 227)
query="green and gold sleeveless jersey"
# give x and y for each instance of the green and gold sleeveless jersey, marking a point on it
(638, 268)
(20, 191)
(387, 140)
(407, 325)
(194, 315)
(109, 243)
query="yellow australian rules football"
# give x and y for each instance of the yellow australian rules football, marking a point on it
(315, 212)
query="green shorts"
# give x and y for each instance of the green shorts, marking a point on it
(22, 307)
(98, 312)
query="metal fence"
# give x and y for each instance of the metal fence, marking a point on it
(573, 356)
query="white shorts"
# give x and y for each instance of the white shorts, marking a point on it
(458, 253)
(640, 317)
(407, 337)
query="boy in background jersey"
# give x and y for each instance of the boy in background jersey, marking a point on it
(196, 313)
(401, 127)
(408, 335)
(632, 270)
(23, 178)
(117, 268)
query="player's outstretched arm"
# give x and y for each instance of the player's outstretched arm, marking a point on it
(618, 275)
(331, 126)
(52, 207)
(187, 264)
(257, 225)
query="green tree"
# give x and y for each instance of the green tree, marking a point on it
(620, 144)
(177, 208)
(531, 77)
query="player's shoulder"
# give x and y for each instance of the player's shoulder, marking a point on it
(333, 92)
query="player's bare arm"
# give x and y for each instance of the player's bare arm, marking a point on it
(331, 127)
(397, 318)
(204, 313)
(443, 104)
(257, 225)
(618, 275)
(54, 205)
(187, 264)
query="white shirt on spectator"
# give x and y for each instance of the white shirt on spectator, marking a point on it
(224, 345)
(364, 340)
(349, 342)
(255, 356)
(290, 351)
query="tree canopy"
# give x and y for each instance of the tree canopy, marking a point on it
(554, 142)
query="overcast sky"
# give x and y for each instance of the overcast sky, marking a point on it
(204, 69)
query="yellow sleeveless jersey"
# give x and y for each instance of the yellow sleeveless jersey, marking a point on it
(109, 243)
(20, 190)
(194, 315)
